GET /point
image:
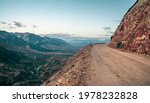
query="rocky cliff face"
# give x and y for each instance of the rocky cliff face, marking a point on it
(133, 33)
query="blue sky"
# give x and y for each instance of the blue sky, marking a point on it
(85, 18)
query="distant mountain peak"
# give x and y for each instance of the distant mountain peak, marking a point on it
(35, 42)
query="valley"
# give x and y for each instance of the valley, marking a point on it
(28, 59)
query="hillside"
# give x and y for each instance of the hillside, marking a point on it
(46, 44)
(8, 56)
(73, 72)
(28, 59)
(133, 33)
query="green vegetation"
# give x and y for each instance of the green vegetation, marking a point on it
(30, 70)
(118, 44)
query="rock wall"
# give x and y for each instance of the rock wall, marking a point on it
(133, 33)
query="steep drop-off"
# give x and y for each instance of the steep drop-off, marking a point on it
(74, 72)
(133, 33)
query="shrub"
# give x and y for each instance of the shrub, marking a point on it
(118, 44)
(111, 37)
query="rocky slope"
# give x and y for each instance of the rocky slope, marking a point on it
(133, 33)
(73, 73)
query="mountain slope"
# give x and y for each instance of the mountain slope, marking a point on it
(7, 56)
(35, 39)
(46, 44)
(30, 60)
(133, 33)
(33, 42)
(73, 72)
(9, 39)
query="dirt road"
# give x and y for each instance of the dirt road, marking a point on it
(113, 67)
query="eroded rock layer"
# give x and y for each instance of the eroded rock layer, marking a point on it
(133, 33)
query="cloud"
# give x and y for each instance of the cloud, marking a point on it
(18, 24)
(6, 25)
(35, 26)
(108, 30)
(11, 27)
(117, 21)
(111, 32)
(9, 24)
(2, 22)
(60, 35)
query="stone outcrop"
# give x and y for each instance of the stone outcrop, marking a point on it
(133, 33)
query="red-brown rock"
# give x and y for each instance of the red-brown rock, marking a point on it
(133, 32)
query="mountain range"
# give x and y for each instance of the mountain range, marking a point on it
(33, 42)
(29, 59)
(78, 41)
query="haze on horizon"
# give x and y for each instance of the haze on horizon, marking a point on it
(83, 18)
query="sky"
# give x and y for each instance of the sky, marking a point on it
(83, 18)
